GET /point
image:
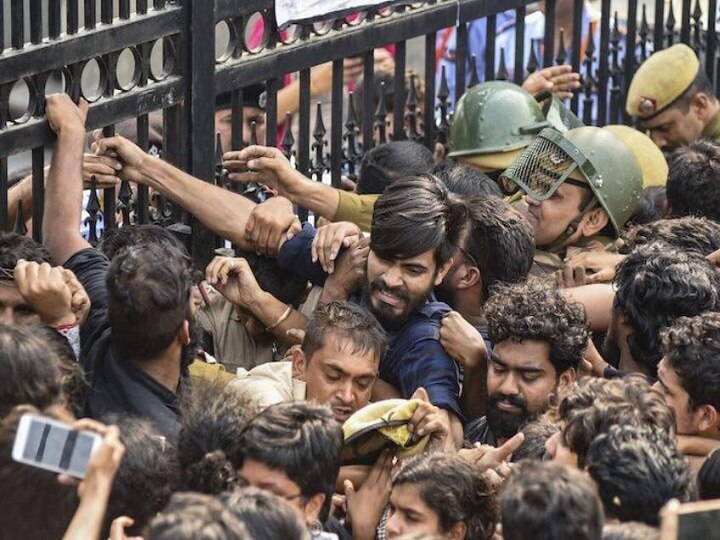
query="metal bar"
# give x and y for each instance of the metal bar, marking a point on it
(17, 25)
(36, 21)
(271, 114)
(336, 123)
(685, 22)
(577, 32)
(141, 7)
(50, 56)
(304, 132)
(238, 124)
(549, 43)
(461, 60)
(54, 18)
(143, 141)
(604, 58)
(711, 41)
(659, 25)
(519, 66)
(399, 95)
(106, 11)
(38, 191)
(3, 192)
(629, 62)
(18, 138)
(429, 112)
(90, 14)
(368, 108)
(73, 17)
(124, 9)
(108, 194)
(2, 30)
(491, 22)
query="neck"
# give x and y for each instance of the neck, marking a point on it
(470, 304)
(164, 368)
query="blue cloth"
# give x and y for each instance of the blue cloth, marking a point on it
(414, 358)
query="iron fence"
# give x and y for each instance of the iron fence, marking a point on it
(167, 52)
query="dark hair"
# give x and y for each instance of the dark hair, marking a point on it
(212, 420)
(264, 515)
(192, 516)
(388, 78)
(348, 323)
(650, 207)
(385, 163)
(655, 285)
(466, 181)
(30, 370)
(455, 490)
(701, 85)
(286, 286)
(14, 247)
(691, 346)
(593, 405)
(693, 186)
(500, 240)
(148, 299)
(637, 471)
(548, 501)
(72, 376)
(536, 433)
(630, 530)
(117, 238)
(300, 439)
(689, 233)
(416, 214)
(35, 505)
(708, 477)
(148, 475)
(532, 311)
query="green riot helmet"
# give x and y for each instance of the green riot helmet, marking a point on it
(557, 113)
(582, 156)
(492, 123)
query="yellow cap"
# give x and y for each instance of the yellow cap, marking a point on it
(661, 79)
(651, 159)
(378, 425)
(497, 161)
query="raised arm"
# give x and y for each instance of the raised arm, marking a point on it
(63, 192)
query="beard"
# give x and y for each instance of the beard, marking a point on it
(504, 424)
(388, 318)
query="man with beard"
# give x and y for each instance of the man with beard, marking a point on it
(540, 340)
(135, 341)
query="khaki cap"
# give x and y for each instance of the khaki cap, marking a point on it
(661, 80)
(497, 161)
(651, 159)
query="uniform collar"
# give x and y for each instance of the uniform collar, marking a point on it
(712, 130)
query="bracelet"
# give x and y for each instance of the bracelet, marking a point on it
(281, 319)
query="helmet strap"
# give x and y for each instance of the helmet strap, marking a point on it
(559, 243)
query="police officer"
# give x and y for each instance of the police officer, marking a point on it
(580, 188)
(674, 99)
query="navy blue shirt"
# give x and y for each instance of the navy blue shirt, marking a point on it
(414, 358)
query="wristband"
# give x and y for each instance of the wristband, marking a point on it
(281, 319)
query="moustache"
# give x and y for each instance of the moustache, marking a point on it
(380, 286)
(515, 400)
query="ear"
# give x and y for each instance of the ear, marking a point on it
(299, 363)
(567, 377)
(594, 221)
(444, 269)
(457, 531)
(702, 105)
(184, 334)
(707, 418)
(313, 507)
(470, 277)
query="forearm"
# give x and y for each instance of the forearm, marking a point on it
(89, 516)
(597, 301)
(268, 310)
(222, 211)
(63, 197)
(320, 199)
(22, 191)
(456, 431)
(472, 398)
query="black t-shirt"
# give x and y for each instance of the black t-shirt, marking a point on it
(478, 431)
(116, 385)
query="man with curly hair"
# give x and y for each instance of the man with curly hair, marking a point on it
(540, 340)
(689, 374)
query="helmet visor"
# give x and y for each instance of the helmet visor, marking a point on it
(543, 167)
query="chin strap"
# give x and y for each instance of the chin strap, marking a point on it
(559, 243)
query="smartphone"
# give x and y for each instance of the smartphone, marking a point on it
(55, 446)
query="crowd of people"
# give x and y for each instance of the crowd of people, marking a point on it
(514, 340)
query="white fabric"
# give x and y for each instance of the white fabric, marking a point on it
(287, 11)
